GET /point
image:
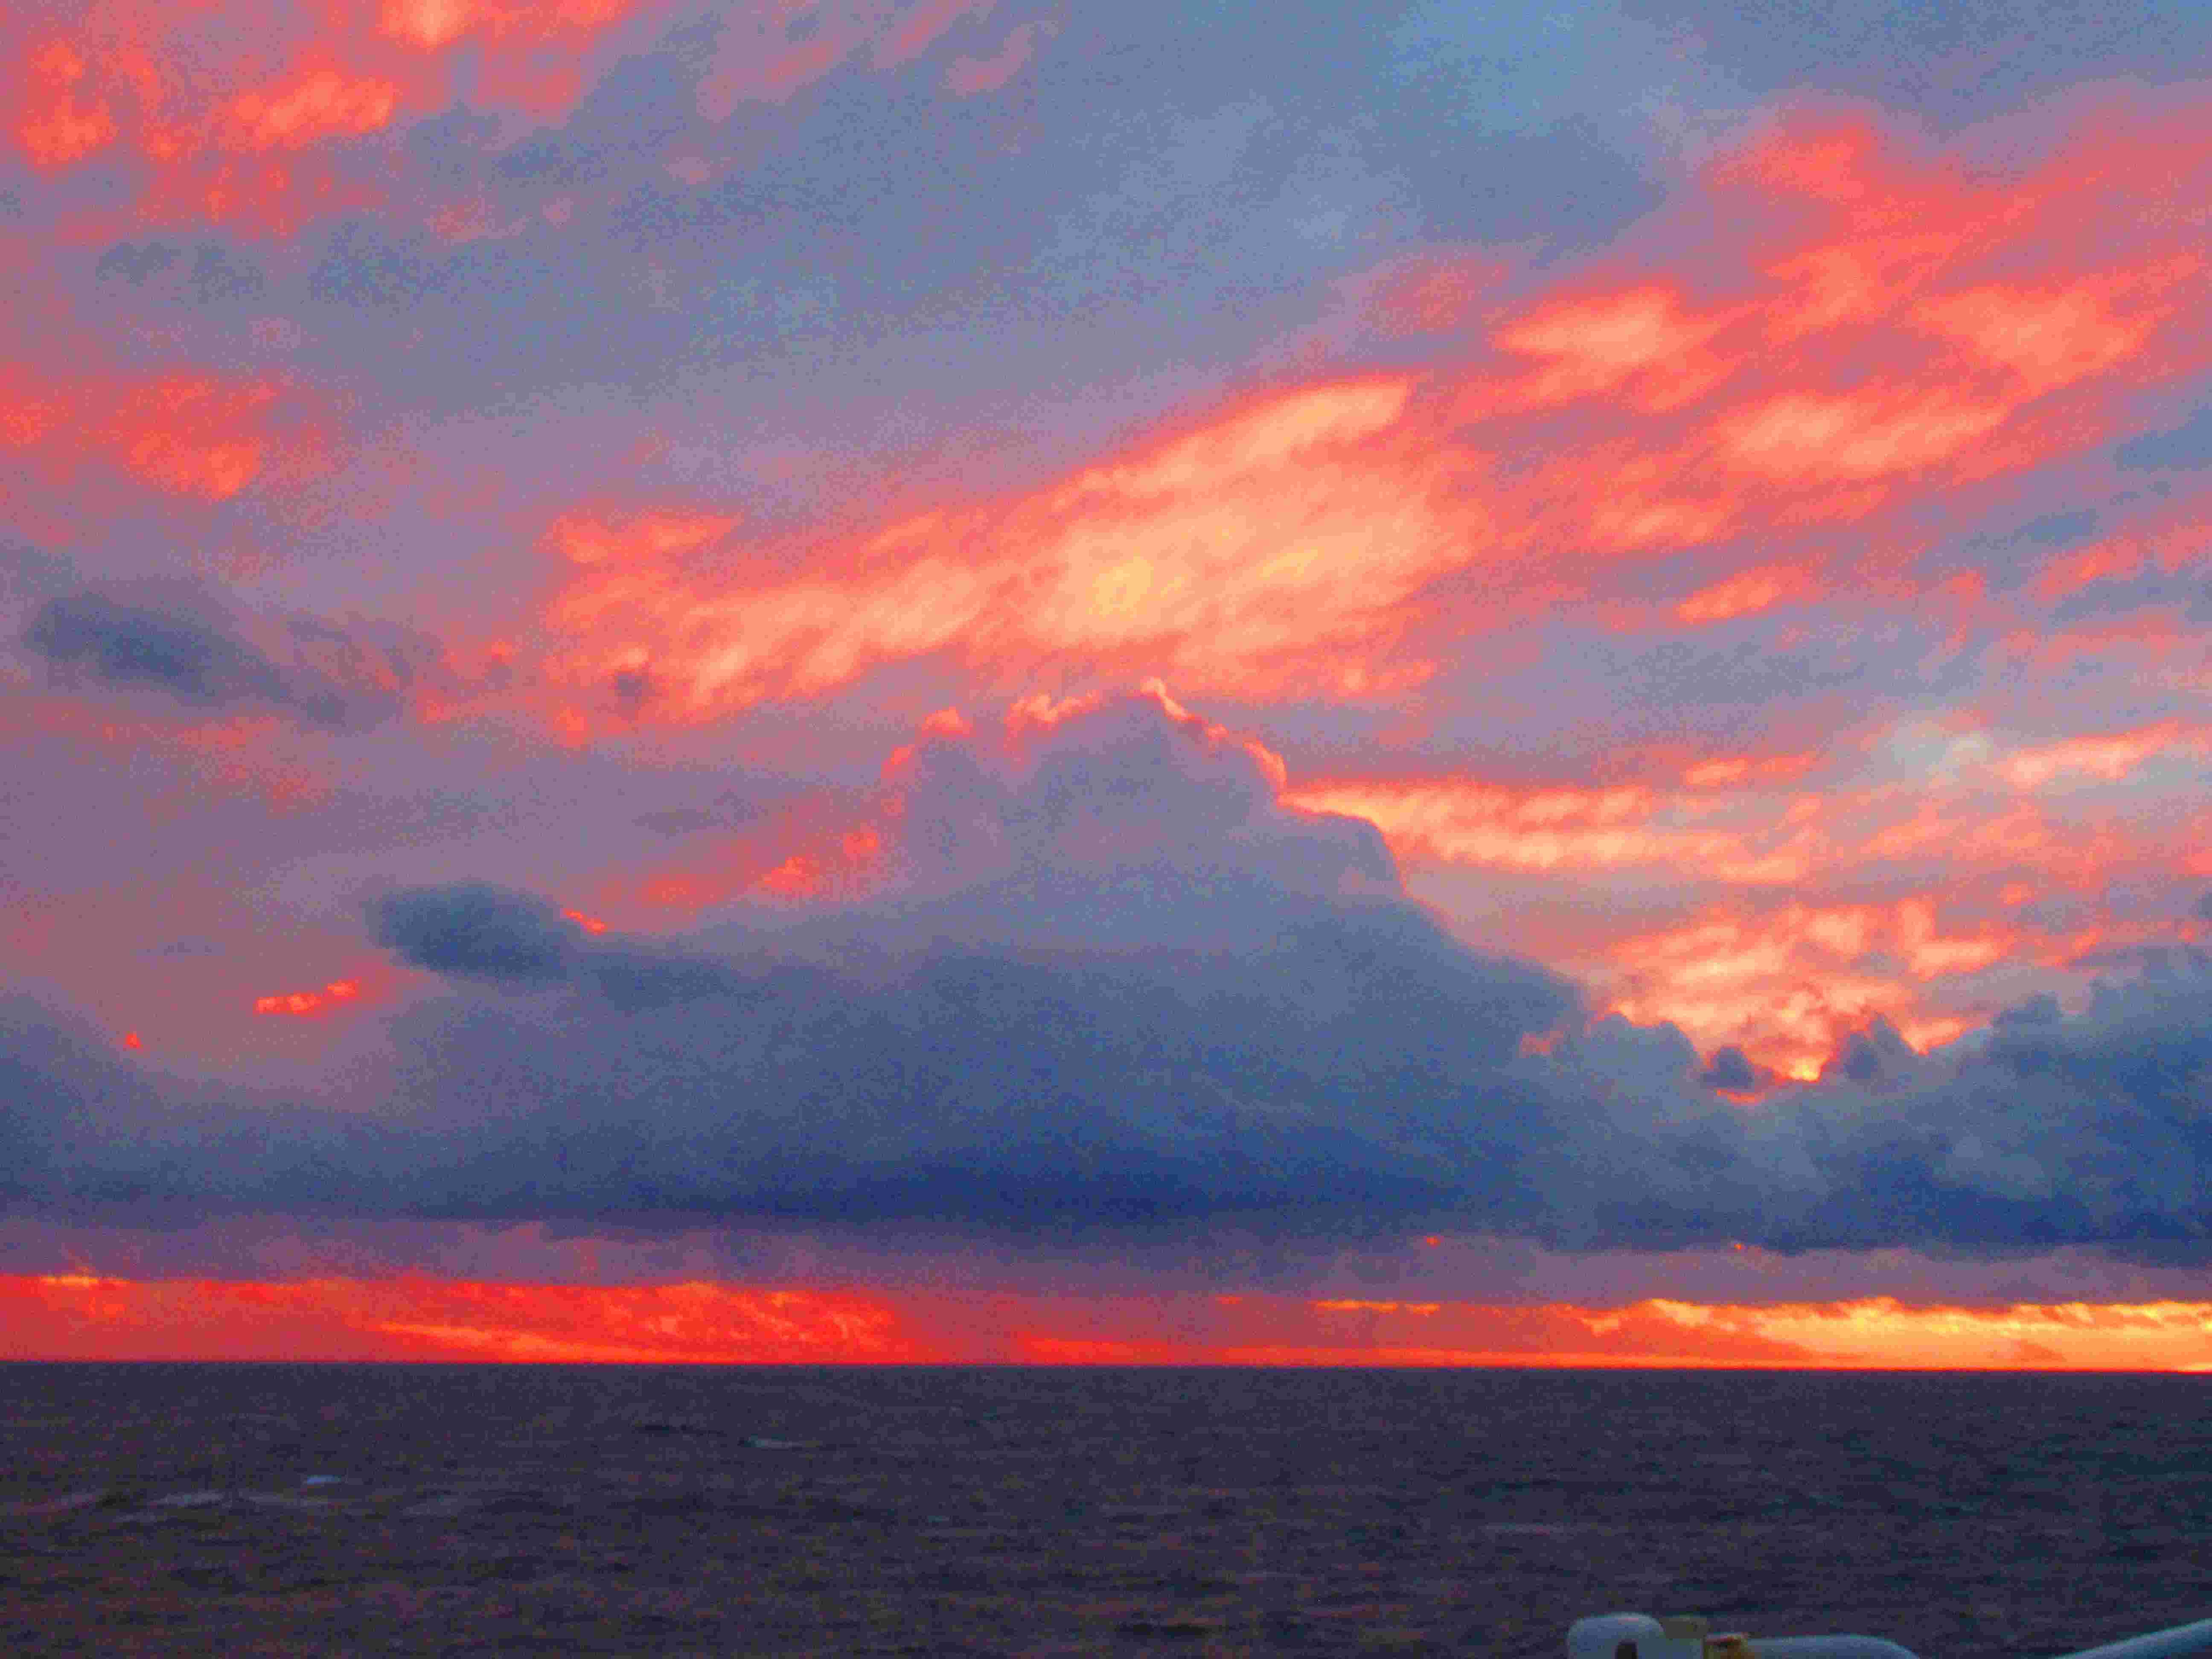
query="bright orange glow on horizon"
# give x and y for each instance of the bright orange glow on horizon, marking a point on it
(86, 1316)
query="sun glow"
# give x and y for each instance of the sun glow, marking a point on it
(87, 1315)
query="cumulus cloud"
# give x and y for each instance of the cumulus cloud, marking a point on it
(1351, 1065)
(2045, 1129)
(1120, 987)
(1109, 784)
(1353, 1071)
(1118, 984)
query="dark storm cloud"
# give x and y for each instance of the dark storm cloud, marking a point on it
(1121, 986)
(1348, 1062)
(188, 648)
(1120, 989)
(476, 931)
(2044, 1130)
(1348, 1070)
(48, 1077)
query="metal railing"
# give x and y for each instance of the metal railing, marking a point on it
(1639, 1636)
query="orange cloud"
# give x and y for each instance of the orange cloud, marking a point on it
(1547, 827)
(85, 1315)
(1941, 835)
(303, 1004)
(812, 850)
(368, 986)
(1229, 547)
(434, 24)
(813, 875)
(1886, 324)
(57, 117)
(206, 93)
(202, 436)
(2106, 757)
(192, 436)
(314, 105)
(1786, 985)
(1744, 594)
(1645, 346)
(174, 87)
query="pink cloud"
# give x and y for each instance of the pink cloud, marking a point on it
(968, 77)
(1887, 328)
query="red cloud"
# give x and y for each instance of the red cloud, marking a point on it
(365, 987)
(1881, 326)
(226, 99)
(302, 1004)
(203, 434)
(227, 103)
(1939, 837)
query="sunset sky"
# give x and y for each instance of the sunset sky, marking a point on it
(972, 679)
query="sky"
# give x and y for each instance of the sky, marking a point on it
(923, 680)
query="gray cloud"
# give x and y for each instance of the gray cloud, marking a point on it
(132, 646)
(1121, 990)
(172, 639)
(1960, 63)
(1730, 1068)
(2043, 1130)
(475, 930)
(1350, 1064)
(2185, 449)
(1346, 1070)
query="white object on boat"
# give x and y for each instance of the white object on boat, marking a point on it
(2159, 1644)
(1639, 1636)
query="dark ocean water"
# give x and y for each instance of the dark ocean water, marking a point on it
(281, 1510)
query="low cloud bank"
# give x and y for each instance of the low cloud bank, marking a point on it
(1119, 987)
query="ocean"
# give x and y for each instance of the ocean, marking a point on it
(238, 1509)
